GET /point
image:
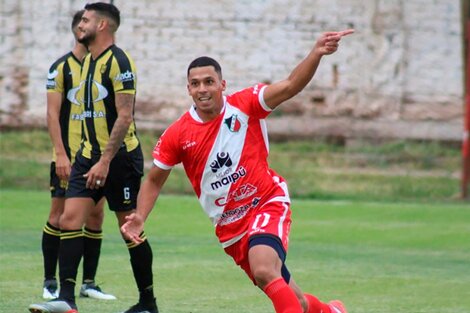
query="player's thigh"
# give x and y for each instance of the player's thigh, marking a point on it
(274, 219)
(75, 213)
(56, 185)
(77, 182)
(95, 217)
(57, 188)
(57, 208)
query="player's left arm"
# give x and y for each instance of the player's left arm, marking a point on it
(146, 199)
(124, 107)
(279, 92)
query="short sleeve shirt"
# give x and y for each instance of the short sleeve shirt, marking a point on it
(225, 160)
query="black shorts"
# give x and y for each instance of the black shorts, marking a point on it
(56, 185)
(122, 184)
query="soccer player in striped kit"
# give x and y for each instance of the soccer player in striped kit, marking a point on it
(65, 129)
(109, 162)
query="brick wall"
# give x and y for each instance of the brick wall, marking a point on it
(400, 75)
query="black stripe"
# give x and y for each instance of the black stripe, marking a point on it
(89, 108)
(65, 108)
(110, 101)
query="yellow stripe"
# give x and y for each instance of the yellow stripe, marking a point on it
(92, 235)
(132, 244)
(71, 235)
(51, 231)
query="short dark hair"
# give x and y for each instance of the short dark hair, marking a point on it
(205, 61)
(76, 19)
(107, 9)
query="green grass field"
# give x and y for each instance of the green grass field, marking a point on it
(315, 169)
(376, 257)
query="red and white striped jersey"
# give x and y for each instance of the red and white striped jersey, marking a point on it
(226, 161)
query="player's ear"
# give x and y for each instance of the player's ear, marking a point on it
(187, 87)
(102, 24)
(224, 84)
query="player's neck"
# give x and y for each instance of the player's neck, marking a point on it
(209, 115)
(79, 51)
(99, 45)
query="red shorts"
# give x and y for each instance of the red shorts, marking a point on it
(272, 218)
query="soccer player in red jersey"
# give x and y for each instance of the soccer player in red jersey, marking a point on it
(223, 145)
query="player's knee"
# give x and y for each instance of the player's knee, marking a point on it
(263, 275)
(54, 218)
(95, 219)
(67, 222)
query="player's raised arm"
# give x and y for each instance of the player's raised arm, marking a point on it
(279, 92)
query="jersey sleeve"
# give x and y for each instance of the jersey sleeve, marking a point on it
(55, 77)
(123, 73)
(251, 101)
(166, 152)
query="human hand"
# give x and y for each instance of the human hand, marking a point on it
(62, 167)
(133, 227)
(96, 176)
(328, 42)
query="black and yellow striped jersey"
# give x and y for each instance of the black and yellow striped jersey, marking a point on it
(64, 78)
(111, 73)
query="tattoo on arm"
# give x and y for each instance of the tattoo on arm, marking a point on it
(124, 108)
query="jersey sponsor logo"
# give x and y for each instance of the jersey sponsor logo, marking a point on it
(233, 123)
(229, 179)
(102, 91)
(156, 149)
(88, 114)
(231, 216)
(255, 89)
(50, 84)
(72, 95)
(125, 77)
(223, 159)
(188, 144)
(238, 194)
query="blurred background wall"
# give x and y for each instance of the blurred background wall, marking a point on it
(401, 75)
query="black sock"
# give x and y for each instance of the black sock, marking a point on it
(50, 250)
(141, 262)
(91, 253)
(70, 253)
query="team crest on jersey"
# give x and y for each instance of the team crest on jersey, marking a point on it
(103, 68)
(233, 123)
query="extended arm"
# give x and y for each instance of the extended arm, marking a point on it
(146, 199)
(62, 162)
(124, 108)
(278, 92)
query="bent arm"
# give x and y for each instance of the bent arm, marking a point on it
(303, 73)
(54, 104)
(148, 194)
(150, 190)
(124, 109)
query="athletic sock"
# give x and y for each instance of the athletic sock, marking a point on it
(50, 250)
(315, 305)
(141, 261)
(70, 254)
(283, 297)
(91, 253)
